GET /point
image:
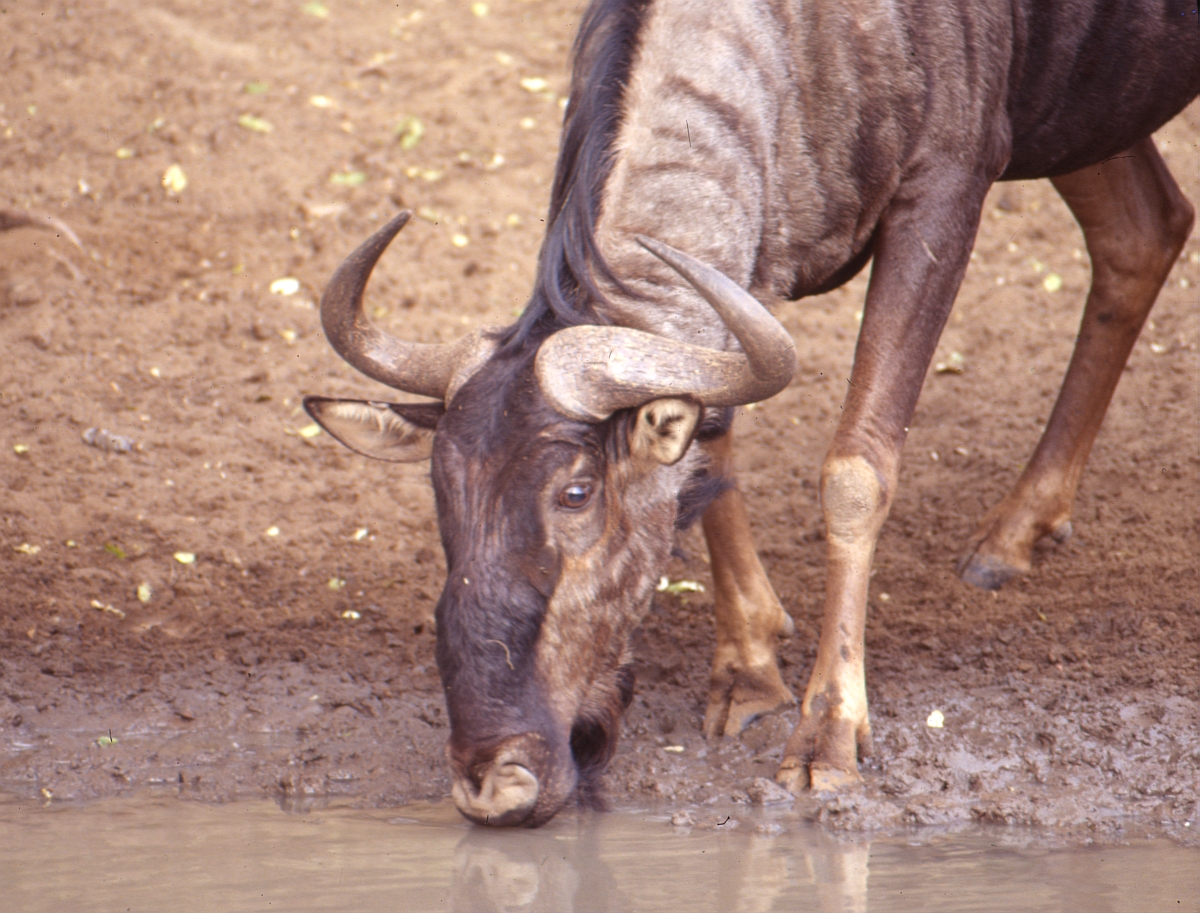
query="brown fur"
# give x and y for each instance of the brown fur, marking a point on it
(784, 142)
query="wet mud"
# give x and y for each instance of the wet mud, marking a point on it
(291, 655)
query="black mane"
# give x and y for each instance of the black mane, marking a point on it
(570, 258)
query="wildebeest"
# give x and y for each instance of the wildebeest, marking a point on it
(782, 145)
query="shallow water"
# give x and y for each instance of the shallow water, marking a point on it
(160, 853)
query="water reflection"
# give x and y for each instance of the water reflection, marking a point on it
(154, 854)
(630, 862)
(530, 872)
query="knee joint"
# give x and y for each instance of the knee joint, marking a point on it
(853, 497)
(1180, 222)
(1148, 249)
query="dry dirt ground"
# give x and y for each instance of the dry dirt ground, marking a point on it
(293, 656)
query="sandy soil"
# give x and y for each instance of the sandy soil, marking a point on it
(293, 657)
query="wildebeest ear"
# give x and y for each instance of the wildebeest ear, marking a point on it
(663, 430)
(396, 432)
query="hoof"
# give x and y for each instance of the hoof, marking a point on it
(985, 572)
(832, 780)
(1063, 532)
(789, 626)
(797, 778)
(731, 717)
(739, 697)
(792, 776)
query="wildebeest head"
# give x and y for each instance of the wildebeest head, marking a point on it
(559, 467)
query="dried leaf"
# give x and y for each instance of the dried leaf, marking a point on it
(955, 364)
(347, 178)
(323, 210)
(255, 124)
(106, 607)
(677, 587)
(410, 130)
(174, 181)
(425, 174)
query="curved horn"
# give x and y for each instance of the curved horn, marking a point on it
(589, 372)
(410, 366)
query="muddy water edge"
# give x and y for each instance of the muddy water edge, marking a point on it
(159, 853)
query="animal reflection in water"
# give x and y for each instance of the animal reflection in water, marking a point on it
(600, 868)
(715, 155)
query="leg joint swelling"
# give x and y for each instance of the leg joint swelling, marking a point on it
(854, 498)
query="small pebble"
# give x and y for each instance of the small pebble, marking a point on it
(107, 440)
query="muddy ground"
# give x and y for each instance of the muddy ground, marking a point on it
(293, 656)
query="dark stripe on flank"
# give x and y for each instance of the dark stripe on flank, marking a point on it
(726, 114)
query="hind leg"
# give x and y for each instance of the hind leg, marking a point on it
(745, 681)
(1135, 221)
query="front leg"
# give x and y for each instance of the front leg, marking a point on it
(922, 247)
(745, 681)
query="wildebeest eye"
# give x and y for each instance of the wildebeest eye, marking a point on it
(575, 496)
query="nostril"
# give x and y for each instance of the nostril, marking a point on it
(590, 744)
(504, 795)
